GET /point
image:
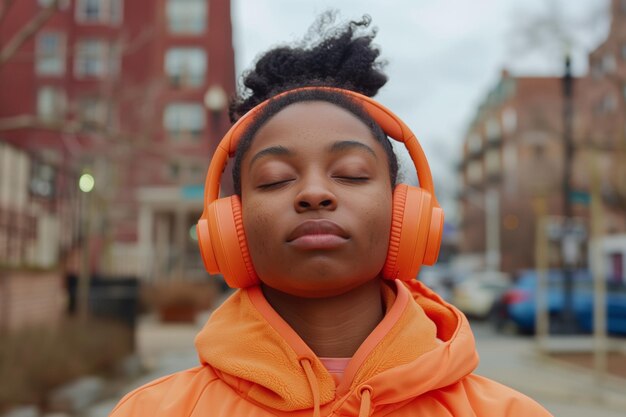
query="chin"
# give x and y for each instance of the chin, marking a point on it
(318, 287)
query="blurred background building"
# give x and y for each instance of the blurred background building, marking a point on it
(136, 97)
(514, 156)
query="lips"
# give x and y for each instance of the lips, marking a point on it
(317, 234)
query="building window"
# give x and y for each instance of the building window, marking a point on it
(99, 11)
(62, 5)
(509, 120)
(493, 130)
(95, 58)
(474, 172)
(596, 69)
(42, 179)
(51, 103)
(184, 121)
(185, 67)
(50, 54)
(197, 172)
(94, 112)
(608, 104)
(609, 64)
(173, 170)
(492, 161)
(509, 166)
(474, 143)
(186, 16)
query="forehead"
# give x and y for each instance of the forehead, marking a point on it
(310, 123)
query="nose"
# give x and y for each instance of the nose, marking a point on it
(315, 196)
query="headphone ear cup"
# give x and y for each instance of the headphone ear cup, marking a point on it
(414, 238)
(434, 237)
(223, 244)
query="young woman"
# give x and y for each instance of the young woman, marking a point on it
(324, 247)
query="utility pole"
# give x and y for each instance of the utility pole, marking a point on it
(567, 318)
(600, 351)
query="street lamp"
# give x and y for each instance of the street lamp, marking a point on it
(216, 101)
(215, 98)
(86, 183)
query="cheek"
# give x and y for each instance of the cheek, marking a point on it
(379, 224)
(252, 214)
(257, 226)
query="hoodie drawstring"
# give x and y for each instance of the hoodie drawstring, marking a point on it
(366, 401)
(315, 389)
(365, 391)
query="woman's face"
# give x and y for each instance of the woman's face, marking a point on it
(316, 199)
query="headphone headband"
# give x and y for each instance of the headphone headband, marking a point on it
(391, 125)
(416, 223)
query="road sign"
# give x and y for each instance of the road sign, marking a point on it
(580, 197)
(192, 192)
(558, 229)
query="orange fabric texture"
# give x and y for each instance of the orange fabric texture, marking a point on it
(418, 361)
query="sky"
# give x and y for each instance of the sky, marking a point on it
(443, 56)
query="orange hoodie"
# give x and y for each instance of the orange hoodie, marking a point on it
(417, 362)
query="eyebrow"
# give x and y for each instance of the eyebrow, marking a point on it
(335, 147)
(350, 144)
(272, 150)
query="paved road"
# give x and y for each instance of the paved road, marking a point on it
(505, 358)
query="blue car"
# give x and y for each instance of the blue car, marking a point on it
(518, 303)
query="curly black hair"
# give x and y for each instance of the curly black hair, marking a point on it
(343, 57)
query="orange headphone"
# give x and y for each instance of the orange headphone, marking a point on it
(416, 225)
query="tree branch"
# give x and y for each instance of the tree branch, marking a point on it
(27, 31)
(6, 5)
(113, 137)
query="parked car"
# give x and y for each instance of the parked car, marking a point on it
(477, 294)
(518, 303)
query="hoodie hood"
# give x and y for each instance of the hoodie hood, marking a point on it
(422, 341)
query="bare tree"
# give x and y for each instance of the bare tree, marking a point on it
(27, 31)
(6, 5)
(553, 33)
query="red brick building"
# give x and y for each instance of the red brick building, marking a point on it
(607, 117)
(134, 93)
(513, 154)
(513, 158)
(607, 136)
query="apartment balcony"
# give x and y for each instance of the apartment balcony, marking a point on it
(494, 142)
(493, 178)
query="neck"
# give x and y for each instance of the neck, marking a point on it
(333, 327)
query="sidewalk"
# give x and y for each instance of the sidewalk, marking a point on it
(564, 390)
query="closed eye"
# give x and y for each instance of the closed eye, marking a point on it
(351, 179)
(274, 184)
